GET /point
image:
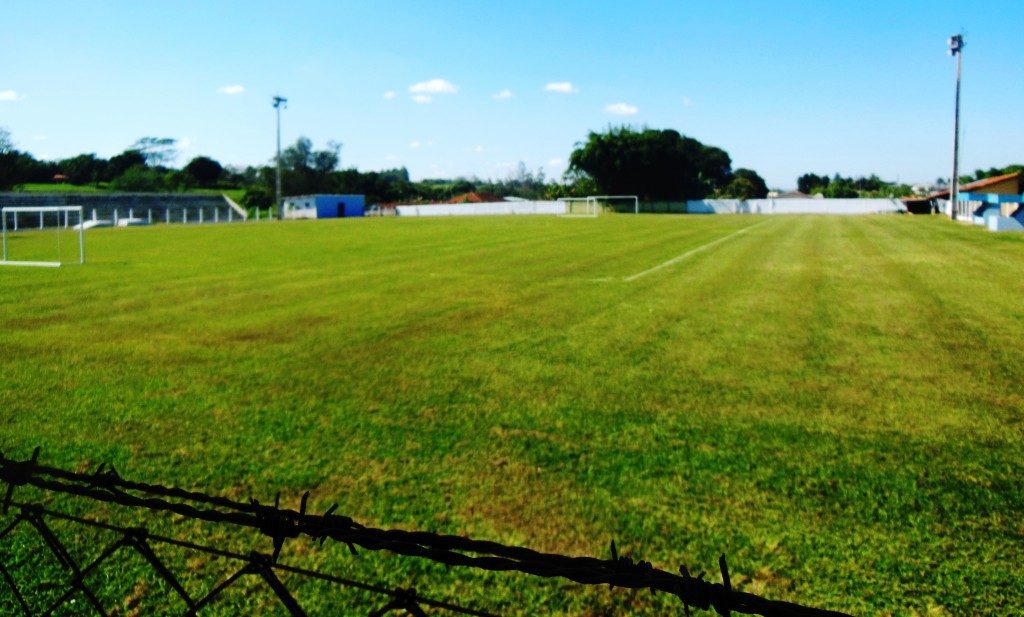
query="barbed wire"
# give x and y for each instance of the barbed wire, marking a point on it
(279, 524)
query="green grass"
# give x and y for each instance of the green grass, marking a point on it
(49, 187)
(834, 402)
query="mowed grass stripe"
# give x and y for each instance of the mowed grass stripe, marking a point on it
(689, 253)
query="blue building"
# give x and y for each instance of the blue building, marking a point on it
(324, 206)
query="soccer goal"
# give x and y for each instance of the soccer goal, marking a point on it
(617, 203)
(46, 236)
(584, 207)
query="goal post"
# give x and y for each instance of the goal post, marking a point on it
(617, 203)
(33, 234)
(584, 207)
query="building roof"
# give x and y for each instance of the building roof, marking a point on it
(978, 185)
(474, 198)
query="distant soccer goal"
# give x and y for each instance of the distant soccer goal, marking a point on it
(46, 236)
(617, 203)
(584, 207)
(593, 205)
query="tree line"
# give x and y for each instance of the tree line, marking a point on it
(654, 164)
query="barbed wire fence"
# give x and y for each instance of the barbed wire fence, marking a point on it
(279, 525)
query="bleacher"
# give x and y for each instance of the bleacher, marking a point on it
(157, 207)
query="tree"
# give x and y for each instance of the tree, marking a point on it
(119, 164)
(204, 170)
(82, 169)
(653, 164)
(158, 151)
(139, 179)
(840, 187)
(745, 184)
(812, 183)
(298, 156)
(326, 161)
(258, 196)
(6, 145)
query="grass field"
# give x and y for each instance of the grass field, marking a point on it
(834, 402)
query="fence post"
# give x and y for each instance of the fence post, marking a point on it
(184, 215)
(115, 217)
(149, 216)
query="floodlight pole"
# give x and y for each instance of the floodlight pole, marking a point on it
(279, 101)
(956, 46)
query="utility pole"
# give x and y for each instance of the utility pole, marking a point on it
(956, 46)
(279, 102)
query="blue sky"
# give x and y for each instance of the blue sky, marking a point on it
(449, 88)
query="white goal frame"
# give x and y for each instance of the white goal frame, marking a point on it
(593, 203)
(591, 207)
(67, 210)
(636, 200)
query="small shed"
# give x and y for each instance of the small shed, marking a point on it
(324, 206)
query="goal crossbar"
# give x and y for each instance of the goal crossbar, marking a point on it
(41, 210)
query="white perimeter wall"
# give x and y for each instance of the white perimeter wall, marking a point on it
(483, 209)
(794, 206)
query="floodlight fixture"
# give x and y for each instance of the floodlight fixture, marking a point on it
(956, 43)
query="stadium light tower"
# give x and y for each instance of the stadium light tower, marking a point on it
(956, 46)
(279, 102)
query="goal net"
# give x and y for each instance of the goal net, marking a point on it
(579, 206)
(42, 235)
(593, 205)
(617, 203)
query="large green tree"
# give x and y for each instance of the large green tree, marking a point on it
(82, 169)
(652, 164)
(744, 184)
(204, 171)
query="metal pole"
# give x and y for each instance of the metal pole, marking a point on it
(279, 101)
(81, 238)
(3, 214)
(956, 45)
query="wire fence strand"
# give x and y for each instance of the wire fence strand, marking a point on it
(279, 524)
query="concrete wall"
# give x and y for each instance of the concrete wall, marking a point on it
(794, 206)
(483, 209)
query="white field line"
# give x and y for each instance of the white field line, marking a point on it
(689, 253)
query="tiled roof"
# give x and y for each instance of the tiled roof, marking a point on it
(979, 184)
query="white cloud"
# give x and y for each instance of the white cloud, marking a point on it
(390, 95)
(39, 138)
(10, 95)
(621, 109)
(478, 149)
(414, 144)
(422, 99)
(184, 143)
(687, 101)
(501, 96)
(562, 87)
(434, 86)
(390, 157)
(234, 89)
(555, 163)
